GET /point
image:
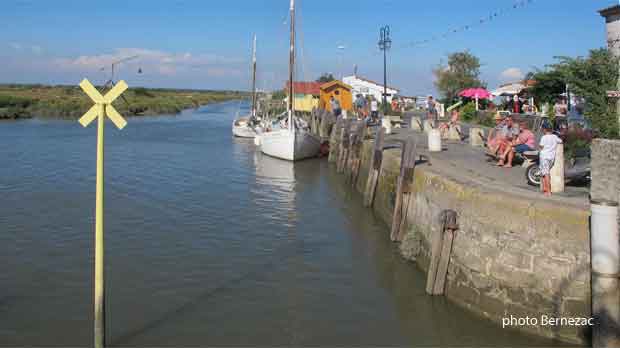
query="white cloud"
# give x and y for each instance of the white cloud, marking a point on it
(161, 62)
(511, 75)
(20, 47)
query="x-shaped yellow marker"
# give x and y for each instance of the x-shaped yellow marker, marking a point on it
(103, 105)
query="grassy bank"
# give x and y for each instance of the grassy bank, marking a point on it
(26, 101)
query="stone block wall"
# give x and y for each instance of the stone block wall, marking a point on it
(512, 255)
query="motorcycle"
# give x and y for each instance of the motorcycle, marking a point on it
(575, 170)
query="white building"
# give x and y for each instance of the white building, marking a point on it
(368, 87)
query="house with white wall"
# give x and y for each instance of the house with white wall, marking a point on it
(368, 87)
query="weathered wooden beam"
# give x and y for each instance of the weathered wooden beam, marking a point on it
(403, 189)
(441, 253)
(374, 170)
(357, 139)
(335, 137)
(345, 140)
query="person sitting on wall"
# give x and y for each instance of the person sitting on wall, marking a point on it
(509, 133)
(495, 137)
(454, 122)
(525, 141)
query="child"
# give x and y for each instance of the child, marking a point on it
(548, 144)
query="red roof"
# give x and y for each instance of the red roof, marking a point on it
(313, 88)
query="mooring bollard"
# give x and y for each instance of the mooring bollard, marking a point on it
(441, 250)
(476, 137)
(374, 170)
(434, 140)
(557, 171)
(387, 124)
(454, 133)
(403, 190)
(605, 250)
(428, 126)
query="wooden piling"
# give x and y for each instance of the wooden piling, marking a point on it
(441, 250)
(375, 168)
(403, 189)
(345, 139)
(357, 139)
(334, 138)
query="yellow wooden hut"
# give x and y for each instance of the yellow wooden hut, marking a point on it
(306, 95)
(340, 91)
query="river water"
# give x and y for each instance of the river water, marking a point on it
(207, 243)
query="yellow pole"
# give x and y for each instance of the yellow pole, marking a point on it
(99, 276)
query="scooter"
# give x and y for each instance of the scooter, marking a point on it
(576, 170)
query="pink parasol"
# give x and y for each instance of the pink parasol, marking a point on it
(479, 93)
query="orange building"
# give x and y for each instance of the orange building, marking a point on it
(340, 91)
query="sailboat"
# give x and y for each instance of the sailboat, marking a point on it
(290, 139)
(245, 127)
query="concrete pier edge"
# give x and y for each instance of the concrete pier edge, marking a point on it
(514, 254)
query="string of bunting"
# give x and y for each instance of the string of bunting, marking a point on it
(493, 16)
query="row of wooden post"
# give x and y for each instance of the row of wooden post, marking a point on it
(350, 136)
(320, 122)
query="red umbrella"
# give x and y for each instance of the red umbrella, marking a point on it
(479, 93)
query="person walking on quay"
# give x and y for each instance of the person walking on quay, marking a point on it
(516, 105)
(548, 145)
(431, 111)
(374, 109)
(360, 105)
(335, 106)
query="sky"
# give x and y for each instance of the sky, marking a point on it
(206, 44)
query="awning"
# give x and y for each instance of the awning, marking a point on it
(511, 89)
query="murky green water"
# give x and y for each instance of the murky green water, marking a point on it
(207, 243)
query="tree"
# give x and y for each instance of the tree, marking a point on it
(461, 72)
(587, 77)
(326, 77)
(550, 83)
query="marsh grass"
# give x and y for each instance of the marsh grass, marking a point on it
(24, 101)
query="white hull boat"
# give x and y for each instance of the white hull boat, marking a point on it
(290, 145)
(242, 129)
(291, 141)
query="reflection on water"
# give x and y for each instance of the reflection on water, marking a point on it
(208, 242)
(275, 188)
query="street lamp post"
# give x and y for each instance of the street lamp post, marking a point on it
(341, 49)
(385, 43)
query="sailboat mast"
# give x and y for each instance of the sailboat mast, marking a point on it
(291, 67)
(254, 78)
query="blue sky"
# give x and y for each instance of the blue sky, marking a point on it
(205, 44)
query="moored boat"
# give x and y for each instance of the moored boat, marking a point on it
(291, 139)
(245, 127)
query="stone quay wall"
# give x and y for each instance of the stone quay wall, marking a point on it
(512, 255)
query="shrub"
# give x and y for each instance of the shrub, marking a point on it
(468, 112)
